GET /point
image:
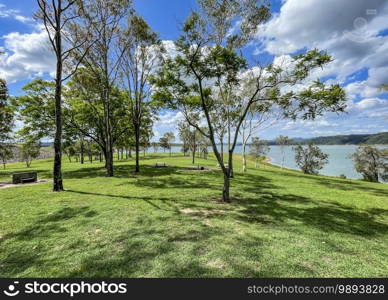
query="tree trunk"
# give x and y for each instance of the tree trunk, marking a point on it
(109, 155)
(193, 154)
(57, 171)
(244, 157)
(105, 155)
(225, 190)
(82, 151)
(230, 165)
(194, 148)
(137, 147)
(222, 150)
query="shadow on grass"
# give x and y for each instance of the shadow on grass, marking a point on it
(327, 217)
(139, 247)
(150, 247)
(22, 258)
(341, 184)
(51, 223)
(149, 200)
(120, 171)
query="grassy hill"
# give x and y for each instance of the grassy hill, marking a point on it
(168, 223)
(353, 139)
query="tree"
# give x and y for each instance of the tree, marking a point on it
(6, 123)
(155, 146)
(30, 149)
(141, 48)
(282, 141)
(257, 118)
(184, 135)
(85, 112)
(209, 58)
(58, 17)
(203, 144)
(102, 21)
(5, 153)
(68, 147)
(146, 136)
(310, 159)
(36, 108)
(6, 117)
(258, 149)
(163, 142)
(167, 140)
(372, 163)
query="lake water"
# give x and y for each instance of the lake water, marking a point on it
(339, 160)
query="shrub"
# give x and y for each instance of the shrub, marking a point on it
(372, 163)
(310, 159)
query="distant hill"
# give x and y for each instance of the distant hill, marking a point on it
(352, 139)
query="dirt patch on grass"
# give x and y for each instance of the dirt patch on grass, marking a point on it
(202, 212)
(6, 185)
(216, 263)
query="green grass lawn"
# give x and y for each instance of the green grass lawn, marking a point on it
(168, 223)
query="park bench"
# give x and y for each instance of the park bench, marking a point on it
(160, 165)
(24, 177)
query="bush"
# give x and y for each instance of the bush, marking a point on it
(311, 159)
(372, 163)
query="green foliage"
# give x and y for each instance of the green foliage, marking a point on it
(258, 148)
(30, 149)
(6, 113)
(163, 143)
(372, 163)
(166, 140)
(310, 159)
(282, 140)
(84, 109)
(352, 139)
(6, 153)
(37, 108)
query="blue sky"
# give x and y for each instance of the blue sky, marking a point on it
(354, 32)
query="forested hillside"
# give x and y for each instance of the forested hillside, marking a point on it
(353, 139)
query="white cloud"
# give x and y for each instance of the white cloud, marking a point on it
(14, 14)
(349, 30)
(345, 29)
(26, 56)
(167, 122)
